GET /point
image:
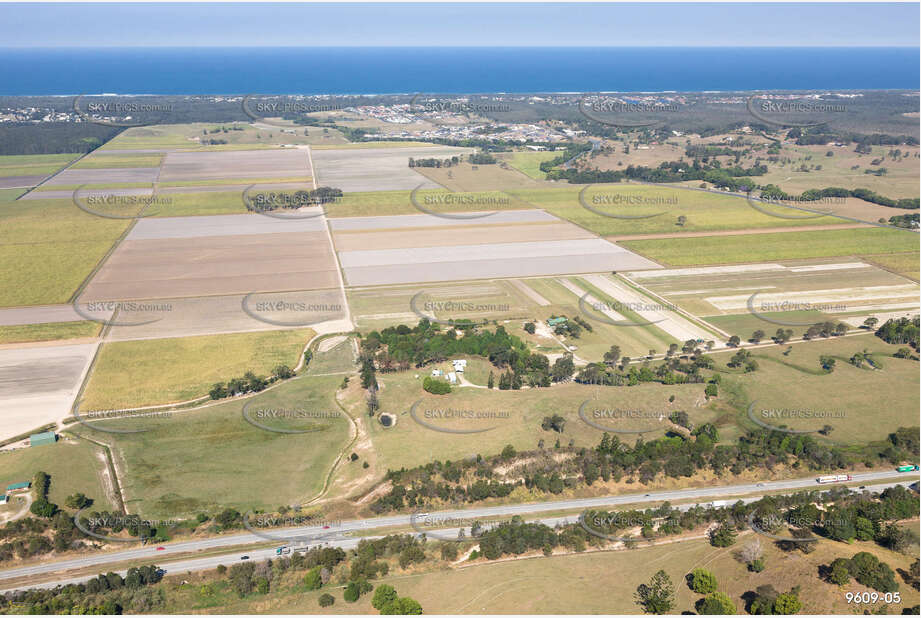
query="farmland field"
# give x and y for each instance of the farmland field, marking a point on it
(656, 209)
(119, 161)
(74, 466)
(529, 162)
(208, 459)
(25, 333)
(160, 371)
(867, 403)
(33, 165)
(522, 427)
(48, 248)
(779, 246)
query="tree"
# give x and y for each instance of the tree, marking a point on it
(711, 390)
(383, 595)
(562, 369)
(612, 355)
(703, 581)
(757, 336)
(658, 596)
(734, 341)
(839, 574)
(827, 362)
(751, 551)
(43, 508)
(530, 328)
(403, 606)
(312, 580)
(77, 501)
(870, 323)
(491, 380)
(715, 603)
(326, 599)
(723, 536)
(787, 603)
(682, 220)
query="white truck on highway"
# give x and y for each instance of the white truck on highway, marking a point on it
(833, 478)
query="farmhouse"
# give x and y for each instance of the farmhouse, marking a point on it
(19, 487)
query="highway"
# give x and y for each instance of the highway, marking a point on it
(338, 534)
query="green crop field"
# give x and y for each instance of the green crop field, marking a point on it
(160, 371)
(200, 203)
(703, 211)
(33, 165)
(48, 247)
(861, 404)
(25, 333)
(209, 459)
(72, 465)
(113, 161)
(371, 203)
(780, 246)
(529, 162)
(9, 195)
(905, 264)
(190, 136)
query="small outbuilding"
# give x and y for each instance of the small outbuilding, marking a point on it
(19, 486)
(46, 437)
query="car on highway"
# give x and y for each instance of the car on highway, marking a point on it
(161, 548)
(244, 557)
(326, 527)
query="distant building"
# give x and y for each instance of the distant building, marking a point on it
(46, 437)
(452, 378)
(459, 365)
(4, 499)
(19, 486)
(556, 321)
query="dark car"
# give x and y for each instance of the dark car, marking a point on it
(244, 557)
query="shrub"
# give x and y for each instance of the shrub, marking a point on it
(703, 581)
(312, 580)
(436, 387)
(326, 599)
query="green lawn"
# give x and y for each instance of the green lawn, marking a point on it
(209, 459)
(779, 246)
(160, 371)
(47, 248)
(24, 333)
(72, 465)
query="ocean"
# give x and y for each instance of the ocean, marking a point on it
(355, 70)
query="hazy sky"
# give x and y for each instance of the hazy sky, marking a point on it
(512, 24)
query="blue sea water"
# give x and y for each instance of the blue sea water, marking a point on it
(306, 70)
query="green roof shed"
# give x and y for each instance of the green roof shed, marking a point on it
(46, 437)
